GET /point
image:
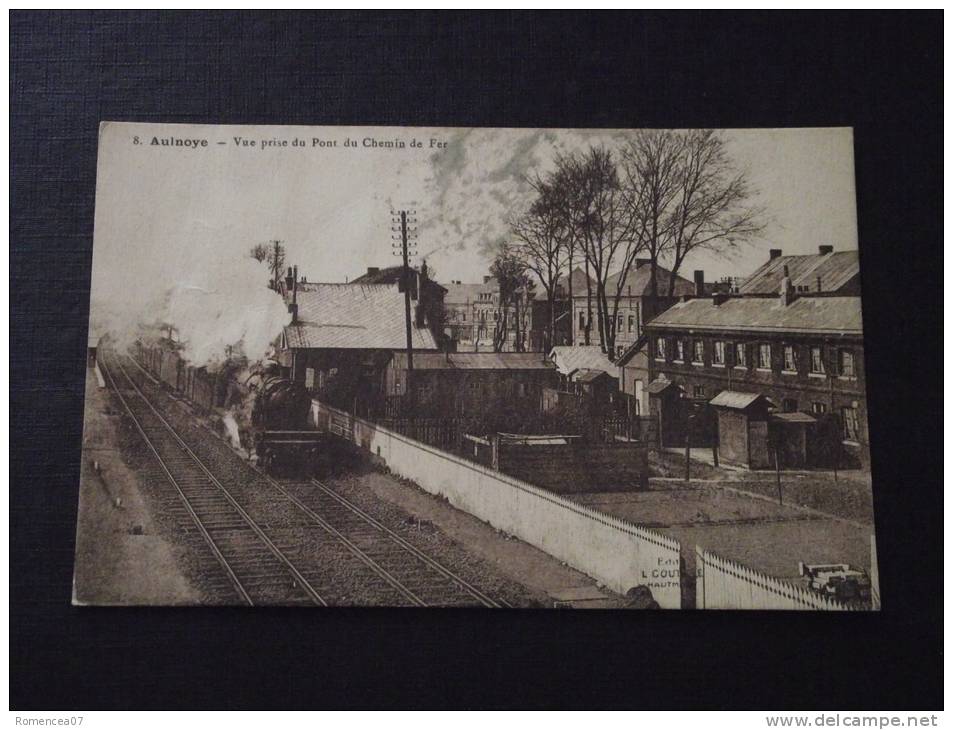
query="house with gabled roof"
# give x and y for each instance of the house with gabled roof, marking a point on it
(341, 337)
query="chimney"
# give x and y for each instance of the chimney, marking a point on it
(773, 254)
(824, 250)
(719, 298)
(787, 290)
(699, 283)
(372, 270)
(639, 263)
(289, 280)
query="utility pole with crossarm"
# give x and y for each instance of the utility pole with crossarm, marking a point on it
(404, 235)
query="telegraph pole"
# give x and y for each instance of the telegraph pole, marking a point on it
(404, 236)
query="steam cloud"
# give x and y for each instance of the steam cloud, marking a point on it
(214, 310)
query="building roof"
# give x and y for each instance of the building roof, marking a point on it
(737, 400)
(795, 417)
(585, 375)
(834, 269)
(632, 350)
(389, 275)
(569, 358)
(474, 361)
(638, 282)
(353, 316)
(818, 315)
(660, 385)
(464, 293)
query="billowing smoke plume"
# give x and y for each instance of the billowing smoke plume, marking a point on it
(214, 312)
(217, 314)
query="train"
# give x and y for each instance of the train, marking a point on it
(262, 410)
(280, 433)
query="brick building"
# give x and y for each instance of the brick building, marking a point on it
(473, 311)
(636, 304)
(803, 353)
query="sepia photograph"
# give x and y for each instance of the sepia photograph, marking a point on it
(501, 368)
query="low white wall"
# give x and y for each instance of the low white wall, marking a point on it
(615, 552)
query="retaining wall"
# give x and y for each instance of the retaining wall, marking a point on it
(615, 552)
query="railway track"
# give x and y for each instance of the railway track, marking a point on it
(327, 548)
(257, 569)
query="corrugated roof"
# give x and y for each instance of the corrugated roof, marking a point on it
(474, 361)
(736, 399)
(569, 358)
(834, 269)
(353, 316)
(826, 315)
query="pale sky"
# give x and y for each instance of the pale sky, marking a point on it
(168, 216)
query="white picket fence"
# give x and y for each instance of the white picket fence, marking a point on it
(725, 584)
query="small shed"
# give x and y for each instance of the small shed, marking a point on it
(596, 384)
(670, 409)
(743, 428)
(793, 435)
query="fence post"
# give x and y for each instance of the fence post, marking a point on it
(699, 577)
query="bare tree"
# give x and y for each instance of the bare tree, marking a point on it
(650, 170)
(685, 196)
(509, 269)
(276, 262)
(606, 229)
(541, 241)
(712, 209)
(259, 252)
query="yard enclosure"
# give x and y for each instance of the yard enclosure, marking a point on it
(615, 552)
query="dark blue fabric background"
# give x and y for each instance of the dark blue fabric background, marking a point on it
(69, 71)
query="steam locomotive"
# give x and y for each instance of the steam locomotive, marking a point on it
(279, 431)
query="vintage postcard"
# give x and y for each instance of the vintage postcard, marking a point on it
(550, 368)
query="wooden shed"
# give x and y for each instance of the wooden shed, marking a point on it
(743, 428)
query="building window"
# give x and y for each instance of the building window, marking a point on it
(698, 352)
(789, 405)
(582, 321)
(618, 323)
(631, 323)
(764, 356)
(818, 408)
(698, 392)
(789, 363)
(741, 359)
(718, 353)
(679, 350)
(309, 378)
(659, 348)
(846, 363)
(521, 390)
(849, 418)
(817, 361)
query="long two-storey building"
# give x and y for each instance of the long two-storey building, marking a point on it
(750, 369)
